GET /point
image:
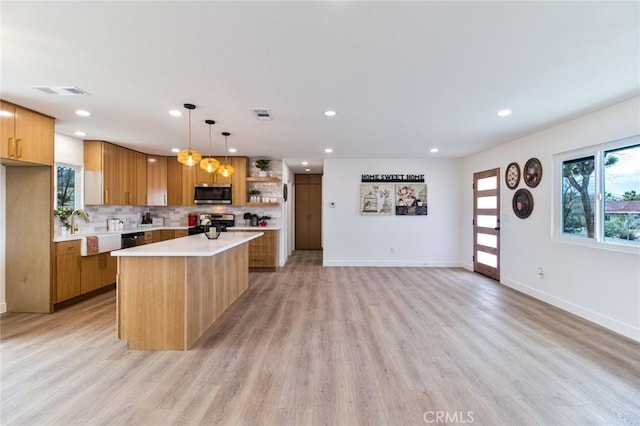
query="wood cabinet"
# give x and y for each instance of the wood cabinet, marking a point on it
(67, 270)
(263, 251)
(148, 237)
(156, 180)
(114, 175)
(308, 212)
(97, 271)
(180, 233)
(26, 135)
(181, 181)
(238, 179)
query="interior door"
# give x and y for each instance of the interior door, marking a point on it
(308, 212)
(486, 223)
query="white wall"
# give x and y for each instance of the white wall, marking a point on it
(3, 233)
(600, 285)
(350, 239)
(68, 150)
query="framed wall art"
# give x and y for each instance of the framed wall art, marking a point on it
(411, 199)
(532, 172)
(512, 175)
(376, 199)
(522, 203)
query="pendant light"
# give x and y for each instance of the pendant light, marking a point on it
(209, 164)
(189, 157)
(226, 169)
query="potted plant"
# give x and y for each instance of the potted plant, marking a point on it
(247, 218)
(66, 213)
(263, 220)
(263, 164)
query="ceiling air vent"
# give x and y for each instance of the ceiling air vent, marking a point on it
(263, 114)
(61, 90)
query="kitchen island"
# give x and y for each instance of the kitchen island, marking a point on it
(169, 293)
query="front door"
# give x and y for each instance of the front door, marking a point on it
(486, 223)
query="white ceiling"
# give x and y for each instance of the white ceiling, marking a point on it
(403, 76)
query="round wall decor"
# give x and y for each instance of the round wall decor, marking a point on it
(522, 203)
(512, 175)
(532, 172)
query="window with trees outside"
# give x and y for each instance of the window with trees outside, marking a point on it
(67, 186)
(600, 193)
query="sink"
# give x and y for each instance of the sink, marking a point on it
(106, 242)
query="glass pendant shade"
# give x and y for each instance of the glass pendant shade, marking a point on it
(226, 169)
(209, 164)
(189, 157)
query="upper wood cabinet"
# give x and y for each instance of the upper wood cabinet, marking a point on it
(114, 175)
(156, 180)
(25, 135)
(181, 181)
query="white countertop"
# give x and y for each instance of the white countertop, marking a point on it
(254, 228)
(193, 245)
(78, 236)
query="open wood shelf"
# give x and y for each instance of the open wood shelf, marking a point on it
(262, 179)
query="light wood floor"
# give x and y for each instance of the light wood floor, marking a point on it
(335, 346)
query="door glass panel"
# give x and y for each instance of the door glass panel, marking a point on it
(487, 259)
(487, 183)
(487, 221)
(488, 240)
(487, 202)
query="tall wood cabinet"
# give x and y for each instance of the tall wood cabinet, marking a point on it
(156, 180)
(26, 135)
(114, 175)
(308, 212)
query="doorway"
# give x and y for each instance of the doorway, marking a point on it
(308, 214)
(486, 223)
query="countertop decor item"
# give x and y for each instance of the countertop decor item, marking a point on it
(522, 203)
(226, 169)
(247, 218)
(532, 172)
(189, 157)
(209, 164)
(512, 175)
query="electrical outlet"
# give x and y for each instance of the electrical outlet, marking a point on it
(541, 271)
(392, 250)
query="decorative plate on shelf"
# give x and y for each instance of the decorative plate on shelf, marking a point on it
(532, 172)
(522, 203)
(512, 175)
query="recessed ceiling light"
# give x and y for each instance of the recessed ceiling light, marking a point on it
(175, 113)
(328, 150)
(305, 163)
(434, 150)
(79, 133)
(83, 113)
(233, 150)
(330, 113)
(175, 149)
(504, 112)
(307, 170)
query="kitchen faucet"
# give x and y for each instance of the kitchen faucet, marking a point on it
(78, 212)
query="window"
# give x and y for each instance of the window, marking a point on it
(600, 194)
(68, 188)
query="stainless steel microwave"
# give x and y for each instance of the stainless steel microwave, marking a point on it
(212, 193)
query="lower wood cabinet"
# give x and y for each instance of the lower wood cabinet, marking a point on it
(97, 271)
(76, 275)
(263, 251)
(67, 266)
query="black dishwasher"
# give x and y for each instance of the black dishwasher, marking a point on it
(132, 239)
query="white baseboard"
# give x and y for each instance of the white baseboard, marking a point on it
(392, 264)
(3, 308)
(626, 330)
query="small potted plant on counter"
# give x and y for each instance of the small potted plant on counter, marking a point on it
(263, 164)
(263, 220)
(247, 218)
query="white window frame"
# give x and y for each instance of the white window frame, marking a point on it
(79, 182)
(598, 241)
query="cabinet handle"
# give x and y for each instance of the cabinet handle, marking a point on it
(106, 196)
(12, 147)
(20, 145)
(165, 199)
